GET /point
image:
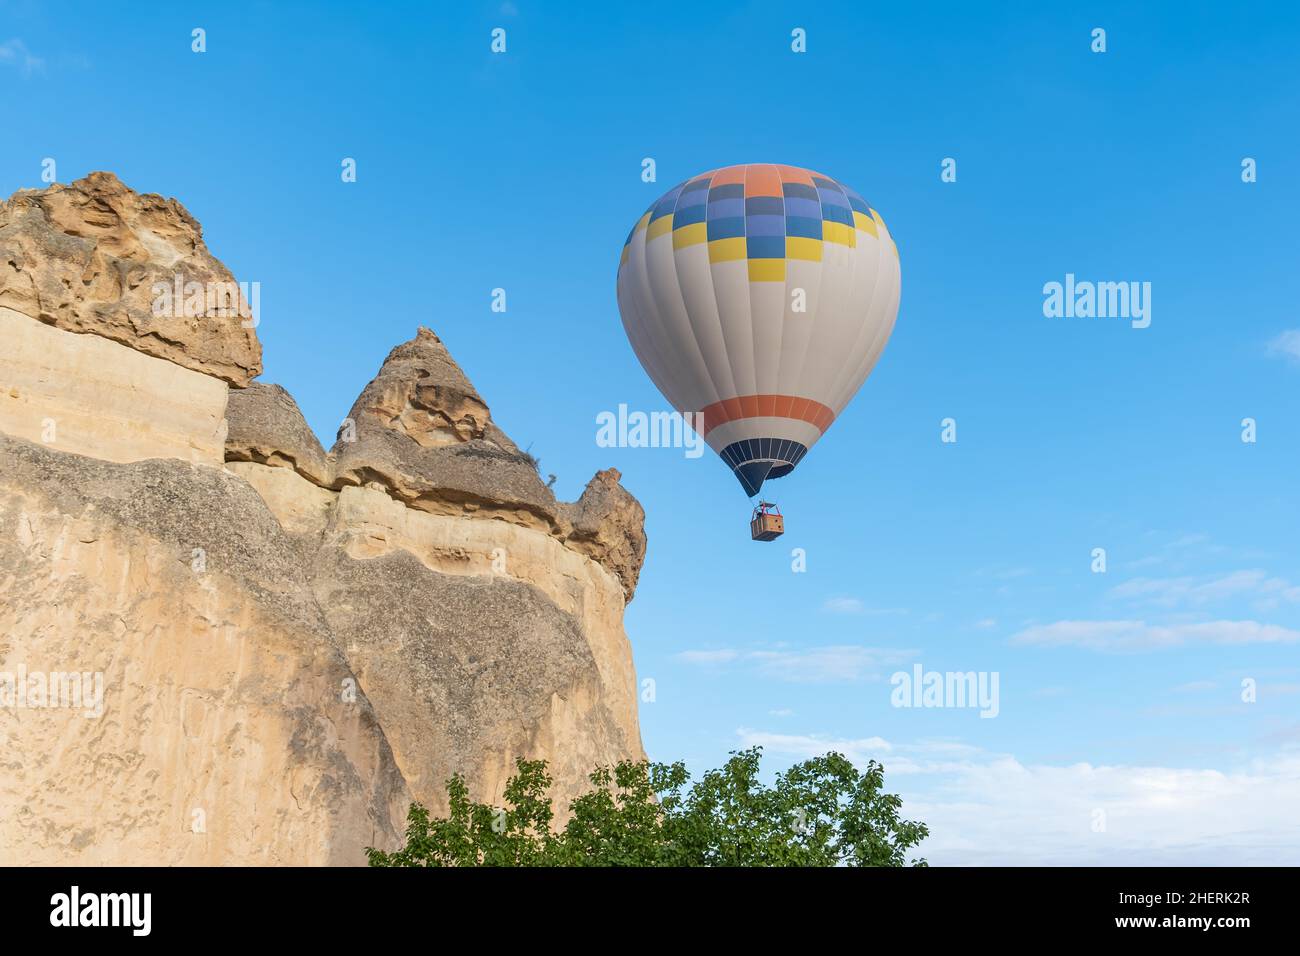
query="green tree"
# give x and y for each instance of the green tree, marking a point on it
(821, 812)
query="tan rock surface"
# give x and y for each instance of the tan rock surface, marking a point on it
(87, 395)
(86, 258)
(266, 426)
(292, 645)
(421, 431)
(568, 691)
(299, 506)
(608, 525)
(223, 705)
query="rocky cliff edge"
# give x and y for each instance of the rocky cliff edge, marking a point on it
(292, 644)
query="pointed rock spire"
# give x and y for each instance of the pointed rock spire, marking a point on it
(421, 430)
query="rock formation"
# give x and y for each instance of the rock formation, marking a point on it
(91, 257)
(290, 645)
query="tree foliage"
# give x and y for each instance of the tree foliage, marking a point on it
(821, 812)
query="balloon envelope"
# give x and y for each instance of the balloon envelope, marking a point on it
(760, 296)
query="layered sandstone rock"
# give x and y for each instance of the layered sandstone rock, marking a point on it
(89, 396)
(97, 257)
(266, 426)
(421, 431)
(292, 645)
(608, 525)
(525, 634)
(227, 734)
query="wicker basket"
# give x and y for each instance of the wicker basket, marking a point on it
(766, 525)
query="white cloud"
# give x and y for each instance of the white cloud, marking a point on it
(852, 605)
(1141, 636)
(986, 623)
(1195, 686)
(932, 756)
(1287, 345)
(802, 746)
(833, 663)
(15, 53)
(843, 605)
(1266, 590)
(783, 712)
(708, 657)
(986, 808)
(1004, 573)
(1182, 549)
(811, 665)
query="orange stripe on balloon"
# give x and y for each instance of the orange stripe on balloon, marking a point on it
(793, 174)
(767, 406)
(761, 180)
(730, 176)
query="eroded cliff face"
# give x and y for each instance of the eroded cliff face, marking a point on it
(291, 645)
(88, 258)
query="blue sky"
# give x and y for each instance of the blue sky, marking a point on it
(522, 171)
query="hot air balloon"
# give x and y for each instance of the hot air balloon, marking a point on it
(760, 297)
